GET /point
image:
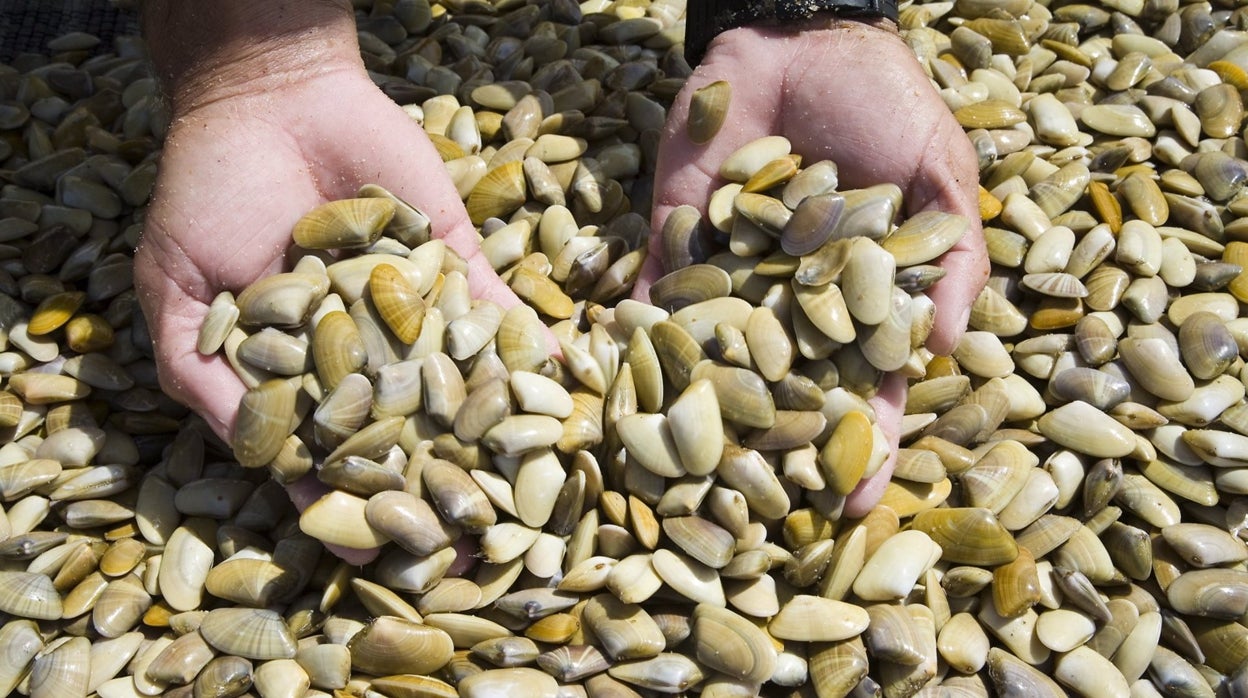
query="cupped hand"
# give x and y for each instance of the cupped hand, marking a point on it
(854, 93)
(239, 168)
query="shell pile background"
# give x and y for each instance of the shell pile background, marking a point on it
(660, 511)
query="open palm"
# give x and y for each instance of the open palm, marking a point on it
(235, 176)
(853, 93)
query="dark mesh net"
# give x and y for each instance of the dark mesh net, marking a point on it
(26, 26)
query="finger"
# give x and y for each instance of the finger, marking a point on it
(651, 271)
(206, 384)
(889, 404)
(948, 181)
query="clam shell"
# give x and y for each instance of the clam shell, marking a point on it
(397, 301)
(338, 518)
(248, 632)
(509, 681)
(708, 107)
(625, 630)
(500, 192)
(29, 595)
(390, 645)
(695, 428)
(281, 300)
(1081, 427)
(740, 165)
(345, 223)
(62, 670)
(924, 237)
(968, 535)
(816, 619)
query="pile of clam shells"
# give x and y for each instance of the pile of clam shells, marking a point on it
(655, 506)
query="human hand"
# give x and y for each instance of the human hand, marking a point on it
(850, 92)
(254, 144)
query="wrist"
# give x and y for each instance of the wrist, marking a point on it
(205, 52)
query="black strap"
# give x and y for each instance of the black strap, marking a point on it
(705, 19)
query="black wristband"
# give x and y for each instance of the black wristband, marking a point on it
(704, 19)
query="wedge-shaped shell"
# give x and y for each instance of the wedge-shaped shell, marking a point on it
(1055, 284)
(264, 421)
(338, 518)
(275, 351)
(667, 672)
(1156, 367)
(281, 300)
(897, 564)
(925, 236)
(751, 157)
(626, 631)
(248, 632)
(745, 470)
(46, 388)
(54, 311)
(702, 539)
(688, 577)
(825, 307)
(743, 395)
(768, 214)
(695, 427)
(1216, 593)
(837, 667)
(390, 645)
(337, 348)
(409, 224)
(345, 223)
(1015, 677)
(29, 595)
(537, 485)
(397, 301)
(63, 671)
(815, 619)
(998, 475)
(511, 681)
(1202, 545)
(1081, 427)
(1118, 120)
(847, 453)
(866, 281)
(729, 643)
(1083, 670)
(708, 107)
(572, 662)
(521, 433)
(500, 192)
(1206, 345)
(539, 291)
(120, 607)
(773, 174)
(819, 178)
(990, 114)
(970, 536)
(457, 497)
(538, 394)
(250, 581)
(21, 641)
(689, 285)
